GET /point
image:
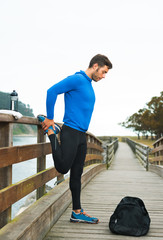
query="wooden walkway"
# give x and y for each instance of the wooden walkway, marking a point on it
(125, 177)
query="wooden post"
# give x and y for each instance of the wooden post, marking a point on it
(60, 178)
(41, 161)
(6, 140)
(107, 157)
(147, 161)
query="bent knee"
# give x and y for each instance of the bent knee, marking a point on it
(63, 170)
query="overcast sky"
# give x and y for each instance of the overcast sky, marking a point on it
(42, 42)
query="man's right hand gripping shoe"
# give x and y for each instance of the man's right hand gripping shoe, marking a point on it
(57, 129)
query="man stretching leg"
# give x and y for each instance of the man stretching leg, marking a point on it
(79, 104)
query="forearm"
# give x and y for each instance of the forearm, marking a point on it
(50, 103)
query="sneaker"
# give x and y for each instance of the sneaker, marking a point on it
(82, 217)
(57, 129)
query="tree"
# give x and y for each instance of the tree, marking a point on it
(134, 123)
(148, 120)
(156, 108)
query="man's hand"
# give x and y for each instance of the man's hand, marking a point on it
(47, 123)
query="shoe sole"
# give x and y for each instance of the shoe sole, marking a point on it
(39, 116)
(82, 221)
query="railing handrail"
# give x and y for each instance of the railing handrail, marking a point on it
(111, 150)
(141, 151)
(33, 121)
(143, 155)
(23, 120)
(158, 140)
(10, 155)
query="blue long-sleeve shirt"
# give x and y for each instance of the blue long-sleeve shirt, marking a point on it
(79, 100)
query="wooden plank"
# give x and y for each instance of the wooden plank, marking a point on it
(156, 169)
(24, 120)
(159, 148)
(158, 141)
(11, 155)
(94, 146)
(93, 157)
(157, 159)
(92, 135)
(13, 193)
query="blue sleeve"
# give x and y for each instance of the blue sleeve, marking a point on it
(66, 85)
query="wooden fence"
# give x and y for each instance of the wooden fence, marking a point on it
(158, 152)
(144, 154)
(9, 155)
(111, 150)
(141, 151)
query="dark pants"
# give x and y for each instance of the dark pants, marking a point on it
(70, 155)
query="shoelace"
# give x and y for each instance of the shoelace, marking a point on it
(84, 213)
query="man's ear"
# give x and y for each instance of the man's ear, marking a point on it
(95, 66)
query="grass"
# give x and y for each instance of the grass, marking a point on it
(147, 142)
(144, 141)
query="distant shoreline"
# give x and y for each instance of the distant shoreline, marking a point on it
(25, 135)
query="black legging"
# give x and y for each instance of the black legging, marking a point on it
(70, 155)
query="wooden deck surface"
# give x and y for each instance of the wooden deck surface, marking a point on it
(125, 177)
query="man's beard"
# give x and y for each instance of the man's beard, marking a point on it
(94, 76)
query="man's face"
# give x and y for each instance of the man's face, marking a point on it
(99, 72)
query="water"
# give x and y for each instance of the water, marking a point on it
(26, 169)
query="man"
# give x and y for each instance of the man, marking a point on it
(79, 104)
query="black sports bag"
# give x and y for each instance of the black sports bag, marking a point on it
(130, 218)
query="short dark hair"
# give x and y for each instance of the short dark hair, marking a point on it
(101, 60)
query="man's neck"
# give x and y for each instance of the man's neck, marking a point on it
(89, 72)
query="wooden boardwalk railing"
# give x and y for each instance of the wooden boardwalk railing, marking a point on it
(9, 155)
(158, 152)
(125, 177)
(142, 152)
